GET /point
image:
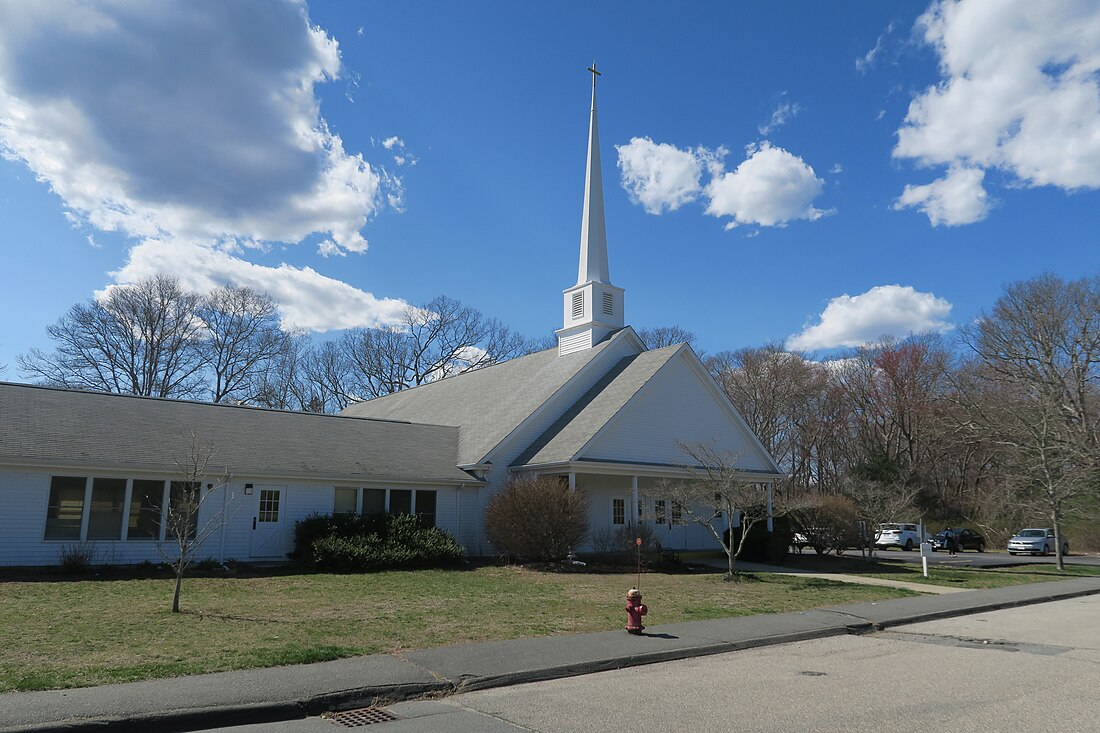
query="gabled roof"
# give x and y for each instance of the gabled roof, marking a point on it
(488, 403)
(58, 427)
(563, 440)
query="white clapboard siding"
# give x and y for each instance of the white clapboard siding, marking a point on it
(674, 406)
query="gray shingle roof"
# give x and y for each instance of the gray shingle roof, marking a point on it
(488, 403)
(44, 425)
(572, 431)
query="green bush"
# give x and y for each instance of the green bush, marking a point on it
(349, 542)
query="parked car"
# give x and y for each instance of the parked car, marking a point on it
(968, 539)
(1036, 541)
(902, 536)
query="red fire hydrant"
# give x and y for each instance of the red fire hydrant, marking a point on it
(635, 609)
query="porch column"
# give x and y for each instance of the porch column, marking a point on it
(572, 482)
(634, 500)
(771, 523)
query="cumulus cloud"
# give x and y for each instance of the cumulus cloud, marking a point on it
(659, 176)
(783, 112)
(194, 122)
(885, 310)
(771, 187)
(1019, 92)
(957, 198)
(307, 299)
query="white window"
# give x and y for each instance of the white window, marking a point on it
(346, 500)
(420, 502)
(578, 305)
(66, 508)
(659, 511)
(618, 511)
(608, 304)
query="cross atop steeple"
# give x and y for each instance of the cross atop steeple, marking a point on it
(593, 307)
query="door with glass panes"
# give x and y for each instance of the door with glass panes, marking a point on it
(268, 536)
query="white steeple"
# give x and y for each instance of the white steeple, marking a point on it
(593, 308)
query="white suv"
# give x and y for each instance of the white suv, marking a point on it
(902, 536)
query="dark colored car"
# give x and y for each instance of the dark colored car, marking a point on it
(968, 539)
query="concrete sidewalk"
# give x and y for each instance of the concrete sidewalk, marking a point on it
(282, 693)
(754, 567)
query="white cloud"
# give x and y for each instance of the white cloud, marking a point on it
(837, 168)
(1019, 91)
(885, 310)
(867, 60)
(191, 120)
(957, 198)
(194, 127)
(770, 188)
(780, 115)
(307, 299)
(393, 142)
(659, 176)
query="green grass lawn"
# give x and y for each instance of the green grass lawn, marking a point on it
(71, 633)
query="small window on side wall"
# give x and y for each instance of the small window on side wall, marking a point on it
(66, 508)
(401, 501)
(374, 502)
(146, 500)
(618, 511)
(347, 500)
(105, 513)
(425, 507)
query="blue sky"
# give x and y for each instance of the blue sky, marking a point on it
(818, 174)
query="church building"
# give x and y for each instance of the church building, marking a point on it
(599, 410)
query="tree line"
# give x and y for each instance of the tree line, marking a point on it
(997, 426)
(156, 338)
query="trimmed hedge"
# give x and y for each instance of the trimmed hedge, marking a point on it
(350, 542)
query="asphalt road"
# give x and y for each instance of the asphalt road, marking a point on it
(970, 558)
(1026, 668)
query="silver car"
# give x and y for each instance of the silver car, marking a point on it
(1036, 541)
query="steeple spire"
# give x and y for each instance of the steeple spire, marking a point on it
(593, 308)
(593, 260)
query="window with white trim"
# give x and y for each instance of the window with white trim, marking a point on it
(65, 511)
(419, 502)
(618, 511)
(578, 305)
(659, 511)
(608, 304)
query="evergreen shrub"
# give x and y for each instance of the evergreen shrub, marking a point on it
(350, 542)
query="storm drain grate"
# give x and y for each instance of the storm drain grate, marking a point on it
(361, 717)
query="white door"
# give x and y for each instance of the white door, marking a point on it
(668, 524)
(268, 538)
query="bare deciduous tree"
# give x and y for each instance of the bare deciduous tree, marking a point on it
(1032, 391)
(439, 339)
(196, 480)
(662, 336)
(717, 491)
(136, 339)
(242, 336)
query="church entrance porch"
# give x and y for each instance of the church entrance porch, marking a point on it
(619, 501)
